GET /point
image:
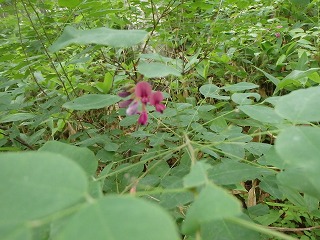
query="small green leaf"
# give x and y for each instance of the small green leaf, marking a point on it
(300, 105)
(120, 218)
(156, 69)
(297, 74)
(17, 117)
(244, 98)
(83, 156)
(209, 90)
(197, 175)
(92, 101)
(261, 113)
(100, 36)
(213, 203)
(240, 87)
(106, 85)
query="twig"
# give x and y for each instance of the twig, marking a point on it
(284, 229)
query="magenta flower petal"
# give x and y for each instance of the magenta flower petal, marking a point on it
(143, 119)
(143, 91)
(156, 98)
(124, 104)
(132, 109)
(160, 107)
(124, 94)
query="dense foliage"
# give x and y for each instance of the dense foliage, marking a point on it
(224, 146)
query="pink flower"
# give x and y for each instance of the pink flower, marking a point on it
(132, 109)
(141, 95)
(277, 35)
(143, 91)
(143, 119)
(155, 100)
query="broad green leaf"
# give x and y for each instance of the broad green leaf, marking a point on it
(209, 90)
(300, 105)
(37, 184)
(69, 3)
(244, 98)
(15, 232)
(197, 175)
(120, 218)
(226, 230)
(213, 203)
(100, 36)
(299, 146)
(303, 179)
(240, 87)
(231, 172)
(261, 113)
(297, 74)
(157, 69)
(17, 117)
(83, 156)
(92, 101)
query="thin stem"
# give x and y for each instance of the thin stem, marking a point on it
(260, 228)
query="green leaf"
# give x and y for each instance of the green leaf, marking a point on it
(270, 77)
(68, 3)
(156, 69)
(244, 98)
(106, 85)
(37, 184)
(82, 156)
(100, 36)
(120, 218)
(231, 172)
(17, 117)
(297, 74)
(261, 113)
(303, 179)
(299, 146)
(209, 90)
(226, 230)
(92, 101)
(240, 87)
(15, 232)
(212, 91)
(197, 175)
(300, 105)
(213, 203)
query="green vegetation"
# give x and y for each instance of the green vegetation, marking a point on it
(224, 146)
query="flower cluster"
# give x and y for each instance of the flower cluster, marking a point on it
(141, 93)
